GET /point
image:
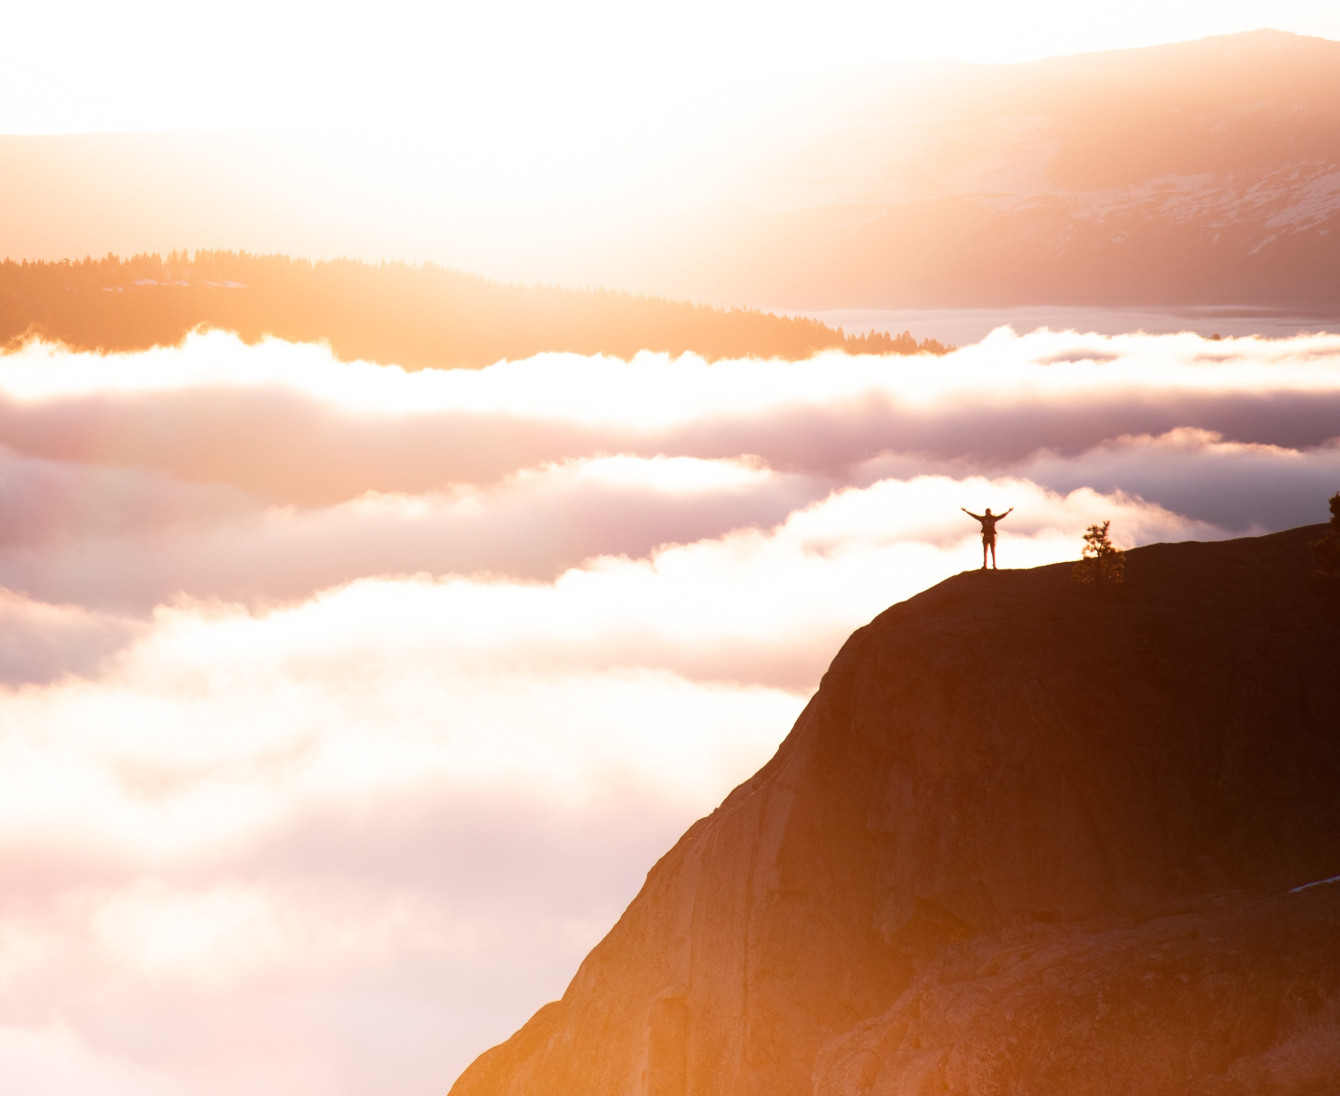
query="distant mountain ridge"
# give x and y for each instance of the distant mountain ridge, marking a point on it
(1199, 173)
(416, 317)
(1023, 840)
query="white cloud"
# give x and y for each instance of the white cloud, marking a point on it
(1236, 485)
(352, 704)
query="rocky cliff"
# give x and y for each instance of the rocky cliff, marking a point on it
(1023, 839)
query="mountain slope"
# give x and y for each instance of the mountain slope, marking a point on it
(1203, 172)
(1197, 173)
(417, 317)
(1021, 836)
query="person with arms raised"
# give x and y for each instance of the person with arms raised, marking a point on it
(988, 523)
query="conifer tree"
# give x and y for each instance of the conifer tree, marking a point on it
(1326, 553)
(1101, 562)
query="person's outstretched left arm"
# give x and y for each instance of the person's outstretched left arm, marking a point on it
(1006, 514)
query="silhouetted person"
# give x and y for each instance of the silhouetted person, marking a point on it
(988, 521)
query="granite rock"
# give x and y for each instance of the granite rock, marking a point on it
(1025, 838)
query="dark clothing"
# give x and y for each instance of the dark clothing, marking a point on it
(988, 523)
(988, 527)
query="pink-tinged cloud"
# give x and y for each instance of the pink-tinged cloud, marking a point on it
(342, 709)
(288, 424)
(41, 642)
(1200, 473)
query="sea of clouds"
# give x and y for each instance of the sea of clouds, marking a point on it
(343, 709)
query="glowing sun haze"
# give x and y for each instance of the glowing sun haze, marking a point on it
(643, 148)
(589, 69)
(343, 708)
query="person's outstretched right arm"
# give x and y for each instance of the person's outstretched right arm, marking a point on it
(971, 514)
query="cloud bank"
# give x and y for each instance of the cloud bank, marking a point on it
(342, 709)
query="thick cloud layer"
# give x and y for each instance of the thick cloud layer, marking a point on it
(342, 709)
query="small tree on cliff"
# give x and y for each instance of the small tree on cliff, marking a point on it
(1326, 552)
(1101, 562)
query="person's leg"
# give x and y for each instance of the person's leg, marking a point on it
(985, 542)
(993, 553)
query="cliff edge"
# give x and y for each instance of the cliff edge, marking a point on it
(1023, 839)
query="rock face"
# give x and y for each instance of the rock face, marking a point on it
(1024, 840)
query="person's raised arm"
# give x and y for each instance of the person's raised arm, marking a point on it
(1009, 511)
(970, 514)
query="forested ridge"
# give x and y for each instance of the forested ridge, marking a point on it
(394, 313)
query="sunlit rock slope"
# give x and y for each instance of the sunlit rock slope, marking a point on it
(1023, 840)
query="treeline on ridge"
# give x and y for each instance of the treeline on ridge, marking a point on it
(414, 316)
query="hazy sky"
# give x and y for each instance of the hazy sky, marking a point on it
(343, 709)
(576, 68)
